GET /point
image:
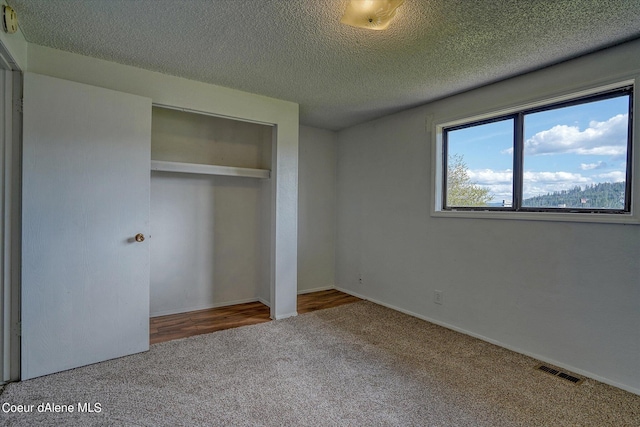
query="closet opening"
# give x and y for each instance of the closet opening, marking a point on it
(210, 216)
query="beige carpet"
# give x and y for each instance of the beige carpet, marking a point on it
(354, 365)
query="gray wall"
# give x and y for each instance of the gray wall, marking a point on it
(565, 292)
(316, 209)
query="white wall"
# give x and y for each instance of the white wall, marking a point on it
(566, 293)
(316, 209)
(205, 241)
(188, 94)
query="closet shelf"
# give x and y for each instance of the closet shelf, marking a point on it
(164, 166)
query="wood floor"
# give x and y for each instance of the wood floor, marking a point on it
(181, 325)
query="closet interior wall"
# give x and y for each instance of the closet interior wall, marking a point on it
(210, 234)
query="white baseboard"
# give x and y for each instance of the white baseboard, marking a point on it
(284, 316)
(321, 288)
(498, 343)
(204, 307)
(243, 301)
(302, 292)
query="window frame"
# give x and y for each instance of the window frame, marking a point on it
(517, 113)
(445, 161)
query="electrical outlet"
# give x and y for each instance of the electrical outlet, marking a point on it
(360, 279)
(437, 297)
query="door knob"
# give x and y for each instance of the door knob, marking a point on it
(139, 237)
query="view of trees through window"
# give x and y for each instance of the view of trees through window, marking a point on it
(461, 191)
(574, 156)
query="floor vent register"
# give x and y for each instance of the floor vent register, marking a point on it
(556, 373)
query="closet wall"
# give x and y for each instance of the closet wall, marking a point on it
(210, 234)
(316, 209)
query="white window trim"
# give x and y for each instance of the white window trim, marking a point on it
(628, 218)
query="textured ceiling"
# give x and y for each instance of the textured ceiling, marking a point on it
(298, 51)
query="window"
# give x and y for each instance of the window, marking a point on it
(567, 156)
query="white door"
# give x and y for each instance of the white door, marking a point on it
(85, 278)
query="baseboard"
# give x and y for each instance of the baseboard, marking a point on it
(205, 307)
(244, 301)
(302, 292)
(498, 343)
(321, 288)
(284, 316)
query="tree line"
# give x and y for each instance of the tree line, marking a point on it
(462, 191)
(605, 195)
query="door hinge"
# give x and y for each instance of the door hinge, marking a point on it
(18, 104)
(17, 329)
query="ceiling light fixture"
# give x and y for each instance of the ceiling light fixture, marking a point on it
(9, 20)
(370, 14)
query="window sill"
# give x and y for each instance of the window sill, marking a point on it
(541, 216)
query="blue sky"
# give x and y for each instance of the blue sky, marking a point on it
(567, 147)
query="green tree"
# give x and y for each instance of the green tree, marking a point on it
(461, 191)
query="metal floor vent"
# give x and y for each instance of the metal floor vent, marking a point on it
(556, 373)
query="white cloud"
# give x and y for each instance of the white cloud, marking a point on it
(490, 177)
(592, 166)
(615, 176)
(600, 138)
(555, 177)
